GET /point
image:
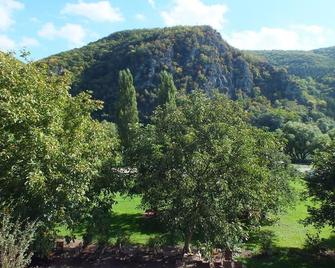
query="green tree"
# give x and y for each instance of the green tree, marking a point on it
(126, 114)
(210, 175)
(167, 90)
(321, 188)
(273, 119)
(303, 139)
(53, 154)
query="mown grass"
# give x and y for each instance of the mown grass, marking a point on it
(288, 239)
(288, 234)
(289, 231)
(126, 219)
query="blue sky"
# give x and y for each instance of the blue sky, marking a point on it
(46, 27)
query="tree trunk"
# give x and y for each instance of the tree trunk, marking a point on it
(187, 242)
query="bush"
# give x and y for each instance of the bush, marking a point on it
(15, 241)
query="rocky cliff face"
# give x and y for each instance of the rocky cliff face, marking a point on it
(197, 57)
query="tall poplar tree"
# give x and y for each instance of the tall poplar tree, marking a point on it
(126, 113)
(167, 90)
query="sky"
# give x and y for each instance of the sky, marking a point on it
(46, 27)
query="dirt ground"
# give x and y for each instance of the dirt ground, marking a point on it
(73, 256)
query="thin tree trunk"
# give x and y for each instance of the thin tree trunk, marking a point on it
(187, 242)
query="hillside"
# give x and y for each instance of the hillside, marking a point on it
(314, 69)
(315, 63)
(197, 57)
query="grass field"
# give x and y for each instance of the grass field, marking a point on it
(288, 232)
(289, 239)
(288, 235)
(129, 218)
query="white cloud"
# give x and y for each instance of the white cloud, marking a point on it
(48, 31)
(34, 19)
(7, 7)
(301, 37)
(73, 33)
(195, 12)
(6, 43)
(152, 3)
(101, 11)
(29, 42)
(140, 17)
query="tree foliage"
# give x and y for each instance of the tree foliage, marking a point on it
(127, 114)
(52, 153)
(321, 187)
(303, 140)
(167, 90)
(210, 174)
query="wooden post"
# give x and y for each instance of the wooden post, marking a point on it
(59, 245)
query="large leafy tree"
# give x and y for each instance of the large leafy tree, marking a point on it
(53, 155)
(321, 187)
(209, 173)
(126, 114)
(303, 140)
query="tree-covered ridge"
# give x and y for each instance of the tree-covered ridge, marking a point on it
(313, 73)
(197, 57)
(314, 63)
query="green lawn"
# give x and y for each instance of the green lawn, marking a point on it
(127, 219)
(128, 216)
(288, 235)
(289, 232)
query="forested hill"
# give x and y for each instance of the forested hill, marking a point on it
(197, 57)
(313, 71)
(318, 63)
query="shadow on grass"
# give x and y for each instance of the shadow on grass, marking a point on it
(134, 228)
(275, 257)
(290, 258)
(329, 243)
(135, 223)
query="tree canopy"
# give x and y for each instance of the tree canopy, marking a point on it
(321, 188)
(209, 173)
(53, 154)
(167, 90)
(303, 140)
